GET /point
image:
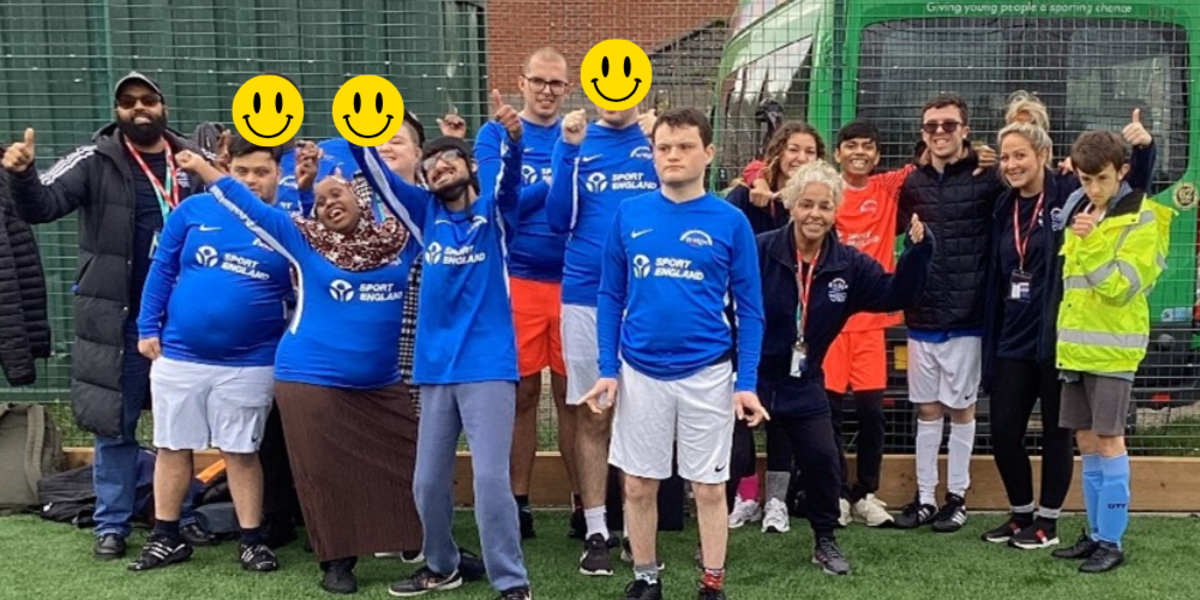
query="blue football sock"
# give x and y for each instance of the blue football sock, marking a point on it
(1093, 478)
(1114, 499)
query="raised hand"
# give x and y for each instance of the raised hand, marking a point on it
(574, 126)
(307, 157)
(1135, 133)
(916, 230)
(19, 156)
(506, 115)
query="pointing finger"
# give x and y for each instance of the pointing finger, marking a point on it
(497, 101)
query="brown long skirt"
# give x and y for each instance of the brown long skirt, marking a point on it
(353, 454)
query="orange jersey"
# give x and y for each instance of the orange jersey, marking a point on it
(866, 220)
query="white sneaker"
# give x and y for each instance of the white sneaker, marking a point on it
(775, 518)
(843, 512)
(872, 511)
(745, 511)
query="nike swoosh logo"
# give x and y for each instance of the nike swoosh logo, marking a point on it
(637, 234)
(209, 228)
(592, 157)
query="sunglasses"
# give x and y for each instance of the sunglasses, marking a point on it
(537, 84)
(448, 156)
(149, 101)
(947, 126)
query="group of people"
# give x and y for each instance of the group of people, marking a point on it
(387, 300)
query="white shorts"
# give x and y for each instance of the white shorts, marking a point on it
(200, 406)
(691, 417)
(947, 372)
(581, 351)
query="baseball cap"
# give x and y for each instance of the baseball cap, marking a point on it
(135, 77)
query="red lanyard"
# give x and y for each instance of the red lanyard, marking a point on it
(805, 285)
(1023, 244)
(166, 200)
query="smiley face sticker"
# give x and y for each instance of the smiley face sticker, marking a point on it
(616, 74)
(368, 110)
(268, 110)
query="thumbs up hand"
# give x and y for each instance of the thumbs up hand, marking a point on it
(916, 230)
(19, 156)
(507, 116)
(1135, 133)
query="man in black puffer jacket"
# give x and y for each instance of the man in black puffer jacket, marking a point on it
(123, 184)
(945, 328)
(24, 328)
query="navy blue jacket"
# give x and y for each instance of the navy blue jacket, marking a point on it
(1054, 220)
(846, 282)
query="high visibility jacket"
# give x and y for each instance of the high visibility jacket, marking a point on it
(1104, 319)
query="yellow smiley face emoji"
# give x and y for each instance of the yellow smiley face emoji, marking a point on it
(368, 110)
(268, 110)
(616, 74)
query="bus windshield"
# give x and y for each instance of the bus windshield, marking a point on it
(1090, 73)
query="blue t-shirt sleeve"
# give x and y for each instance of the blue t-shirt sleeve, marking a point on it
(610, 303)
(508, 187)
(164, 272)
(274, 226)
(562, 199)
(408, 202)
(746, 283)
(533, 198)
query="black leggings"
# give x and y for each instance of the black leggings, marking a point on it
(869, 444)
(1018, 385)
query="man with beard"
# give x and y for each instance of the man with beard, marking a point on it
(124, 183)
(466, 355)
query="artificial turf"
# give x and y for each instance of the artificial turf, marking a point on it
(49, 561)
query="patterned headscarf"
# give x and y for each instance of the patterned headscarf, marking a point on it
(371, 245)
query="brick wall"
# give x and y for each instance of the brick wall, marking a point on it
(517, 27)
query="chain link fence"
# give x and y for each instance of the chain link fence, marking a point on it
(823, 61)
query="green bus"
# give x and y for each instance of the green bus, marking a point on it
(1091, 61)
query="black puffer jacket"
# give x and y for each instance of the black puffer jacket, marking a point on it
(957, 207)
(96, 180)
(24, 327)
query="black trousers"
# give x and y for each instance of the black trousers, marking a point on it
(1019, 384)
(816, 454)
(281, 505)
(743, 461)
(868, 445)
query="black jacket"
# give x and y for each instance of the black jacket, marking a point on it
(24, 326)
(762, 220)
(846, 282)
(96, 180)
(957, 207)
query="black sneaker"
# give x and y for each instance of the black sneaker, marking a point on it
(160, 552)
(1082, 549)
(710, 594)
(258, 558)
(424, 581)
(1013, 526)
(578, 527)
(830, 557)
(640, 590)
(339, 577)
(915, 515)
(195, 535)
(1042, 533)
(952, 516)
(525, 517)
(109, 546)
(520, 593)
(596, 559)
(470, 566)
(1106, 558)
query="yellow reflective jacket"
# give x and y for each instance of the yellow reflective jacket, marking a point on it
(1104, 319)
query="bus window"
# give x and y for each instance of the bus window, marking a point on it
(1090, 73)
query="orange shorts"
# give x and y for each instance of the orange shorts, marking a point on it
(857, 360)
(537, 317)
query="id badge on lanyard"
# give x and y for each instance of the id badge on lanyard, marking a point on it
(166, 193)
(1021, 282)
(804, 284)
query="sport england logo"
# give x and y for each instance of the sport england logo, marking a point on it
(433, 254)
(341, 290)
(696, 238)
(596, 183)
(837, 290)
(641, 266)
(529, 174)
(207, 256)
(642, 152)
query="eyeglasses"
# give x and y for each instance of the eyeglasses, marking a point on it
(947, 126)
(537, 84)
(448, 156)
(149, 101)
